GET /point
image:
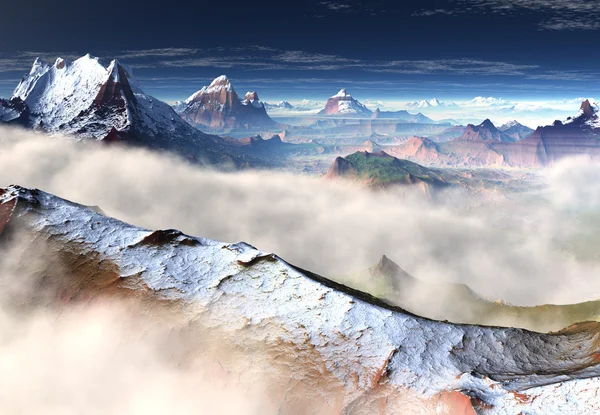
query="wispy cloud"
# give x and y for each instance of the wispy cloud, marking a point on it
(337, 6)
(258, 58)
(553, 14)
(298, 69)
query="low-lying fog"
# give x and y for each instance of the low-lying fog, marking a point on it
(529, 248)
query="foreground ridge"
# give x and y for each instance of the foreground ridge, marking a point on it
(364, 343)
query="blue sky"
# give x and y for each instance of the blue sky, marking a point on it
(531, 50)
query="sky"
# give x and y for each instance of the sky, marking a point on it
(531, 50)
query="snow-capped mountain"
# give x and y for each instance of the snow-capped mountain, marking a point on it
(281, 105)
(372, 353)
(431, 104)
(87, 100)
(218, 106)
(344, 104)
(579, 135)
(307, 105)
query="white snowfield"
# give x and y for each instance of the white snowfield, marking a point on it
(363, 342)
(63, 98)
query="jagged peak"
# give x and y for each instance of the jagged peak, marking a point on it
(487, 123)
(252, 96)
(87, 58)
(510, 124)
(39, 66)
(113, 70)
(342, 94)
(218, 84)
(220, 81)
(588, 109)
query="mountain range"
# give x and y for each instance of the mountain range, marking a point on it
(430, 103)
(86, 100)
(512, 145)
(402, 115)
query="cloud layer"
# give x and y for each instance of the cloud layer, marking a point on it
(529, 249)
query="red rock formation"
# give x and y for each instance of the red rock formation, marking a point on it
(219, 106)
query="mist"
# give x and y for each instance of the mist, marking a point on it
(530, 248)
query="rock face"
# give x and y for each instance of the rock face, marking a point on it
(486, 145)
(577, 136)
(86, 100)
(13, 111)
(342, 104)
(380, 169)
(376, 353)
(218, 106)
(485, 132)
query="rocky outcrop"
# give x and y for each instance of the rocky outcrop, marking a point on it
(577, 136)
(218, 106)
(381, 169)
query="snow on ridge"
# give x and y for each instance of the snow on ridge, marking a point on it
(217, 85)
(57, 93)
(342, 94)
(359, 340)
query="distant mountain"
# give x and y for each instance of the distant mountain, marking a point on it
(579, 135)
(432, 103)
(402, 115)
(516, 130)
(380, 170)
(218, 106)
(486, 145)
(389, 281)
(343, 104)
(486, 131)
(86, 100)
(280, 105)
(308, 105)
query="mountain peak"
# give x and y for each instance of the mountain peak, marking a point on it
(342, 103)
(587, 108)
(251, 96)
(342, 94)
(487, 123)
(219, 106)
(220, 81)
